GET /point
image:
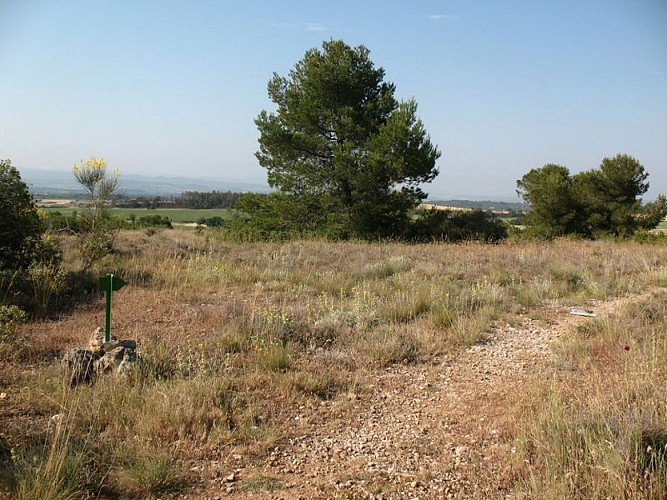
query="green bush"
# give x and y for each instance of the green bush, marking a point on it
(11, 345)
(475, 225)
(650, 238)
(10, 316)
(153, 221)
(21, 228)
(215, 221)
(46, 282)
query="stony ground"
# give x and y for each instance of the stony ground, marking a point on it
(436, 430)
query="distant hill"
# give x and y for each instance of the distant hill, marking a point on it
(57, 183)
(61, 184)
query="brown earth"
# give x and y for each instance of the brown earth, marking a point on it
(433, 430)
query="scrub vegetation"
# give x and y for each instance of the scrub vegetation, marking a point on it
(237, 337)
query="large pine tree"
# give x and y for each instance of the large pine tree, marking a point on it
(341, 147)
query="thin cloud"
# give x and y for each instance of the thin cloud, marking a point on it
(441, 17)
(314, 27)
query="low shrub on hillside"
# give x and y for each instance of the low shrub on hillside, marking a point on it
(443, 225)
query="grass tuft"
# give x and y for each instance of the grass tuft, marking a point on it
(147, 471)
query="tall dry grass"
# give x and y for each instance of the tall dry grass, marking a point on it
(236, 336)
(598, 427)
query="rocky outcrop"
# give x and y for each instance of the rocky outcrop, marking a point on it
(78, 366)
(121, 360)
(116, 357)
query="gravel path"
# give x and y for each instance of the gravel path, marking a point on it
(435, 430)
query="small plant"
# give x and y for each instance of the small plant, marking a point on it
(322, 385)
(159, 362)
(10, 317)
(46, 280)
(53, 471)
(274, 358)
(149, 471)
(472, 329)
(262, 482)
(99, 228)
(389, 346)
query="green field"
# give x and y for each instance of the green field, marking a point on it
(175, 214)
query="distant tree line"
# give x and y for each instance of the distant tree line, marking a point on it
(74, 223)
(146, 202)
(188, 199)
(210, 199)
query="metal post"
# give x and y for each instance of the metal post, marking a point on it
(107, 327)
(108, 284)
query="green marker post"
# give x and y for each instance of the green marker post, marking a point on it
(109, 284)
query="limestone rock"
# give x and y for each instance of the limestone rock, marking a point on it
(97, 343)
(116, 357)
(78, 365)
(120, 360)
(113, 344)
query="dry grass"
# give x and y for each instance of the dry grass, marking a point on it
(598, 429)
(235, 336)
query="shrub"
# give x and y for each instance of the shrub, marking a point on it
(47, 280)
(153, 221)
(475, 225)
(21, 228)
(10, 316)
(215, 221)
(99, 228)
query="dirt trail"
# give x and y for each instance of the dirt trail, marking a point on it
(423, 431)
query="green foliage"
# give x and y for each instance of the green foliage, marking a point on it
(609, 196)
(130, 214)
(10, 317)
(206, 200)
(340, 148)
(592, 203)
(21, 228)
(151, 221)
(280, 216)
(652, 213)
(56, 222)
(47, 281)
(150, 471)
(215, 221)
(99, 228)
(554, 209)
(647, 237)
(475, 225)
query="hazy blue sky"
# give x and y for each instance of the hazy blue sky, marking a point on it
(172, 87)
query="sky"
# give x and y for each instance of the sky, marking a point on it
(172, 88)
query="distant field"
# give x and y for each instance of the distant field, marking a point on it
(430, 206)
(175, 214)
(451, 208)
